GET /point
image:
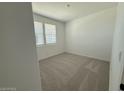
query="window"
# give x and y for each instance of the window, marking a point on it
(45, 33)
(39, 33)
(50, 32)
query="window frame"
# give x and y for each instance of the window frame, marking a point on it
(44, 34)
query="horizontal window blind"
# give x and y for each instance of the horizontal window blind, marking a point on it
(39, 33)
(50, 32)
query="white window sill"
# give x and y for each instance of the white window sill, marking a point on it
(42, 45)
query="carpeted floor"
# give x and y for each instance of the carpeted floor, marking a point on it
(69, 72)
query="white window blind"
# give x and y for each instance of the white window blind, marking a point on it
(50, 33)
(39, 33)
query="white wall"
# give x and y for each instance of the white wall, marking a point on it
(116, 66)
(91, 35)
(46, 51)
(18, 63)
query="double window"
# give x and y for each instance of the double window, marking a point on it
(45, 33)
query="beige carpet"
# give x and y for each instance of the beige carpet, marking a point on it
(72, 72)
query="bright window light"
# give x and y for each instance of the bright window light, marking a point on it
(50, 33)
(39, 33)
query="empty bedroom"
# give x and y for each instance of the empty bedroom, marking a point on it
(74, 44)
(61, 46)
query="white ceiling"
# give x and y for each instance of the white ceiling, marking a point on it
(60, 11)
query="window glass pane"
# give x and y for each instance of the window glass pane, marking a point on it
(39, 33)
(50, 32)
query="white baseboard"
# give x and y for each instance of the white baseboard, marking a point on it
(88, 56)
(50, 56)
